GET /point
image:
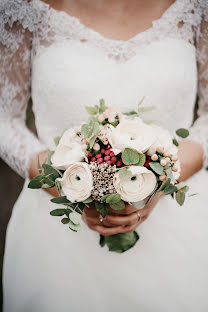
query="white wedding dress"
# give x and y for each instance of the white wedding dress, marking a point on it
(47, 267)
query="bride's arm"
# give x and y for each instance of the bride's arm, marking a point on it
(17, 143)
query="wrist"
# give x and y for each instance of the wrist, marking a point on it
(190, 155)
(33, 164)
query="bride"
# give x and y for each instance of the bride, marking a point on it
(68, 54)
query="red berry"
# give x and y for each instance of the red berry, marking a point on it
(119, 163)
(98, 156)
(112, 154)
(102, 150)
(106, 158)
(100, 160)
(93, 159)
(108, 162)
(107, 152)
(108, 147)
(90, 155)
(113, 159)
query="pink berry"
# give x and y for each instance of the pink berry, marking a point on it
(175, 169)
(102, 151)
(166, 155)
(93, 159)
(90, 154)
(106, 158)
(119, 163)
(108, 162)
(113, 160)
(100, 160)
(107, 152)
(163, 162)
(98, 156)
(112, 154)
(175, 158)
(154, 157)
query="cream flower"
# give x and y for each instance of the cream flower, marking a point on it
(163, 141)
(134, 134)
(137, 186)
(68, 150)
(77, 182)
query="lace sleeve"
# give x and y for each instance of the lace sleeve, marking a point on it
(199, 131)
(17, 143)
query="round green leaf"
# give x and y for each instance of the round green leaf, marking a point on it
(182, 132)
(156, 167)
(74, 227)
(58, 212)
(75, 217)
(180, 197)
(130, 156)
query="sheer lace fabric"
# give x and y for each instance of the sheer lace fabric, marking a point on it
(27, 28)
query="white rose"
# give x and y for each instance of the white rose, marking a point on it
(163, 140)
(136, 187)
(68, 150)
(134, 134)
(77, 182)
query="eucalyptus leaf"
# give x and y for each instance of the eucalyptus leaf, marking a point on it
(146, 109)
(141, 161)
(113, 199)
(102, 107)
(65, 220)
(170, 189)
(182, 132)
(164, 185)
(57, 140)
(35, 183)
(170, 175)
(75, 217)
(74, 227)
(175, 142)
(88, 200)
(39, 165)
(60, 200)
(180, 197)
(102, 208)
(156, 167)
(50, 172)
(92, 110)
(48, 181)
(130, 156)
(118, 206)
(120, 243)
(58, 212)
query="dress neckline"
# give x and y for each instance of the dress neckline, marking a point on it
(90, 31)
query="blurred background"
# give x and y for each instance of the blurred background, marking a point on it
(10, 187)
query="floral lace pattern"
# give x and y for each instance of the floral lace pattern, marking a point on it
(27, 27)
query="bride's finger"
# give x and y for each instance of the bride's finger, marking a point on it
(131, 228)
(123, 220)
(106, 231)
(96, 221)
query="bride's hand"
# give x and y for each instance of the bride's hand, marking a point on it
(33, 170)
(122, 221)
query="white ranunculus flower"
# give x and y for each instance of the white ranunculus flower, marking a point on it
(77, 182)
(136, 187)
(163, 140)
(134, 134)
(68, 150)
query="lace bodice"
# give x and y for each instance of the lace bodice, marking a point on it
(64, 65)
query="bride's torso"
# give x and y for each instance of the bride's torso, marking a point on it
(78, 66)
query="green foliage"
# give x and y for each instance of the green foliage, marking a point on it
(102, 208)
(114, 201)
(92, 110)
(57, 140)
(65, 220)
(50, 172)
(141, 161)
(58, 212)
(88, 200)
(74, 227)
(175, 142)
(35, 183)
(60, 200)
(156, 167)
(130, 156)
(164, 185)
(180, 197)
(182, 132)
(170, 175)
(102, 107)
(75, 217)
(170, 189)
(119, 243)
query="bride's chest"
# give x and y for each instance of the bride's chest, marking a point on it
(66, 77)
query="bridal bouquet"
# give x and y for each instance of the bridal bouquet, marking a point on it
(111, 159)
